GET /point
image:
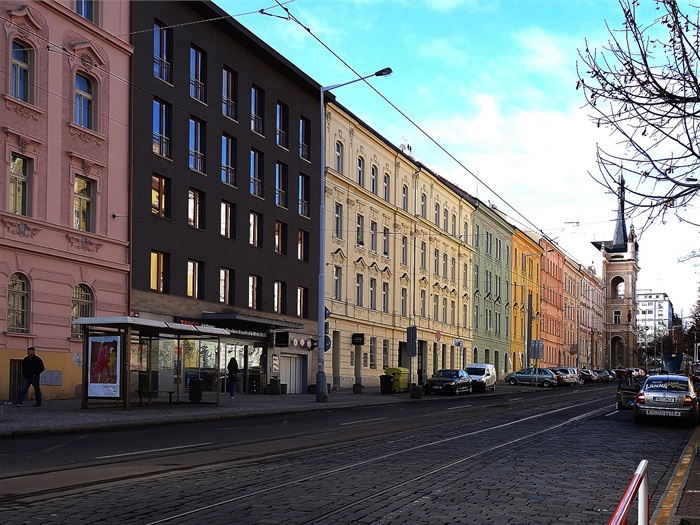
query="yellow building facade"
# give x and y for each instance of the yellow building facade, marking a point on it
(396, 256)
(525, 296)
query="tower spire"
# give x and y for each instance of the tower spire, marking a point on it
(620, 237)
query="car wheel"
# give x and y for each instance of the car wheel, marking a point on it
(513, 381)
(546, 383)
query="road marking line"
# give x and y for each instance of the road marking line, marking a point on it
(459, 408)
(139, 452)
(363, 421)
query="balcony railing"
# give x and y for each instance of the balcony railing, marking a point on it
(162, 69)
(161, 145)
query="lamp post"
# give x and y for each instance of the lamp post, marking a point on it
(321, 385)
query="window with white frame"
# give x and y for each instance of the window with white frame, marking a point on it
(404, 198)
(359, 289)
(226, 285)
(436, 219)
(195, 209)
(404, 249)
(195, 275)
(404, 302)
(423, 206)
(422, 303)
(387, 187)
(385, 242)
(385, 297)
(445, 218)
(385, 353)
(338, 283)
(84, 114)
(19, 185)
(360, 230)
(255, 292)
(22, 71)
(255, 230)
(361, 171)
(82, 305)
(18, 304)
(83, 191)
(436, 262)
(339, 157)
(279, 297)
(228, 220)
(423, 255)
(338, 220)
(436, 308)
(373, 293)
(374, 180)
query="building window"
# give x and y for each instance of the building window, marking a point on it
(228, 160)
(436, 262)
(404, 250)
(282, 121)
(304, 138)
(404, 198)
(84, 102)
(302, 302)
(361, 171)
(385, 298)
(81, 306)
(279, 297)
(162, 51)
(404, 302)
(359, 289)
(228, 220)
(436, 219)
(423, 255)
(339, 157)
(422, 303)
(385, 242)
(197, 74)
(280, 238)
(337, 283)
(195, 209)
(338, 213)
(161, 128)
(197, 145)
(372, 352)
(304, 195)
(160, 203)
(360, 230)
(18, 304)
(454, 225)
(436, 307)
(444, 265)
(387, 187)
(476, 235)
(86, 9)
(82, 204)
(255, 230)
(423, 206)
(617, 317)
(281, 184)
(444, 310)
(226, 286)
(21, 71)
(256, 173)
(303, 246)
(452, 312)
(255, 292)
(373, 236)
(159, 271)
(465, 275)
(373, 180)
(19, 185)
(257, 109)
(229, 93)
(385, 353)
(194, 274)
(373, 293)
(453, 269)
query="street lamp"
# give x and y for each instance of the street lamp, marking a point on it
(321, 385)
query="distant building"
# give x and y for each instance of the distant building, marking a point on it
(654, 320)
(620, 270)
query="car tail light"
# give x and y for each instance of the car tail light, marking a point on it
(688, 401)
(640, 399)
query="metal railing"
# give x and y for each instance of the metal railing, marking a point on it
(638, 489)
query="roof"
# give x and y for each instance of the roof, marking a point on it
(150, 324)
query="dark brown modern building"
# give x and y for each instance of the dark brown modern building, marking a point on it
(225, 190)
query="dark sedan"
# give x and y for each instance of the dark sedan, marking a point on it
(667, 397)
(448, 381)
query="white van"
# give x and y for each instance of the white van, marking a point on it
(483, 377)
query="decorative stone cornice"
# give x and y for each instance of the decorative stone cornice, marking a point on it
(20, 228)
(83, 243)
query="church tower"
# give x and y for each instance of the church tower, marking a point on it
(620, 271)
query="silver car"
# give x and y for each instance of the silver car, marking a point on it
(667, 397)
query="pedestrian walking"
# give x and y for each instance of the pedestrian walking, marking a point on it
(32, 367)
(232, 375)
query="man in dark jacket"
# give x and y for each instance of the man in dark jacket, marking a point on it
(32, 367)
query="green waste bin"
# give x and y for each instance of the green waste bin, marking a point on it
(385, 386)
(399, 378)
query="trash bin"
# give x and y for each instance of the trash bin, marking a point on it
(385, 384)
(275, 386)
(399, 375)
(196, 386)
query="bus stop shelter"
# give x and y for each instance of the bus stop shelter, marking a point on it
(129, 359)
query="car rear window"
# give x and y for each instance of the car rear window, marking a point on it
(667, 384)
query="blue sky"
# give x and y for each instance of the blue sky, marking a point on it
(493, 82)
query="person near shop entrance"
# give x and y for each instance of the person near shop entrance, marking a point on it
(32, 367)
(232, 375)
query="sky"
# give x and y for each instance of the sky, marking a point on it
(492, 84)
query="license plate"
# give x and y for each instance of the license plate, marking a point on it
(437, 387)
(665, 399)
(667, 413)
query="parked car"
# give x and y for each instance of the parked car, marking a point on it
(483, 376)
(589, 376)
(604, 375)
(565, 377)
(448, 381)
(667, 397)
(627, 389)
(532, 376)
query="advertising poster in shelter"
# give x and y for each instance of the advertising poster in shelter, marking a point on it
(104, 361)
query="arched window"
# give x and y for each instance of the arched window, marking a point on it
(84, 102)
(82, 304)
(618, 288)
(18, 304)
(475, 357)
(21, 70)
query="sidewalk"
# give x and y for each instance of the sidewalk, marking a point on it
(57, 416)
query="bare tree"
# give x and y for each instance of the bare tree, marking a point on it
(643, 86)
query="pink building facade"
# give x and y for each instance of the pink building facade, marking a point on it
(64, 207)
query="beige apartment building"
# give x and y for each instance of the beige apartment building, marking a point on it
(396, 256)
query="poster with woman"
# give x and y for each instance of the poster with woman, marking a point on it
(104, 366)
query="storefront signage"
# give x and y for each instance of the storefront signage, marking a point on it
(358, 339)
